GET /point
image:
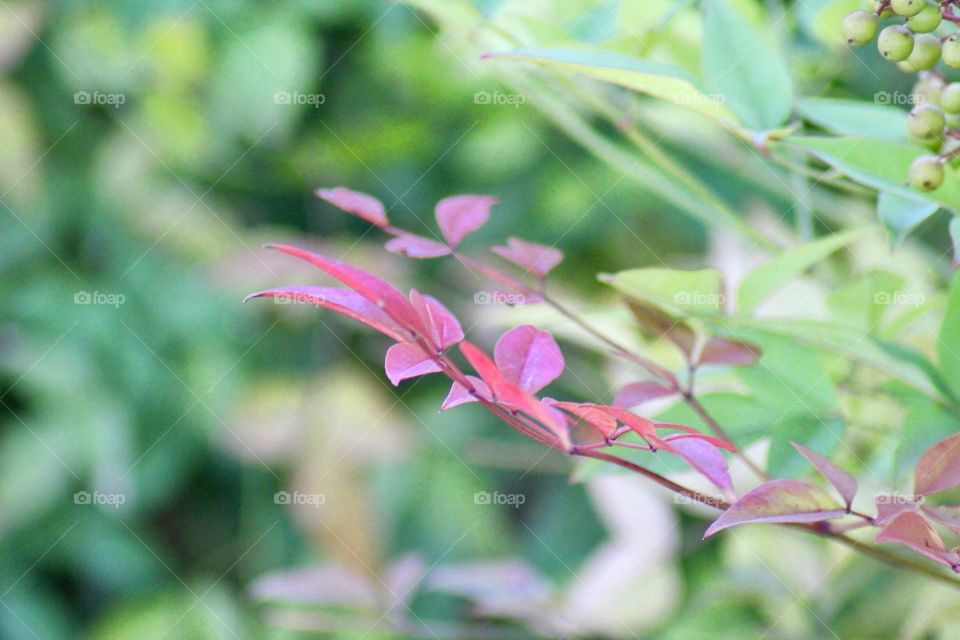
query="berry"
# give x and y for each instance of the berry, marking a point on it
(926, 173)
(933, 144)
(874, 7)
(926, 121)
(950, 98)
(926, 52)
(859, 27)
(951, 51)
(907, 7)
(926, 21)
(928, 88)
(896, 42)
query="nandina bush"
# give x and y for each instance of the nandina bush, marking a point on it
(527, 359)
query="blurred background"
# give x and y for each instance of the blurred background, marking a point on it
(174, 464)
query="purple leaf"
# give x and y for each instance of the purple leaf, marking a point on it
(938, 468)
(528, 357)
(913, 530)
(444, 328)
(382, 294)
(704, 457)
(408, 360)
(534, 258)
(359, 204)
(845, 483)
(344, 301)
(891, 506)
(779, 501)
(461, 395)
(947, 515)
(728, 352)
(414, 246)
(639, 392)
(459, 216)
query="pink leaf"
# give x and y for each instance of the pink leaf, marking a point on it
(459, 216)
(704, 457)
(367, 285)
(408, 360)
(528, 357)
(359, 204)
(534, 258)
(344, 301)
(414, 246)
(444, 328)
(639, 392)
(459, 394)
(720, 443)
(779, 501)
(842, 481)
(947, 515)
(641, 426)
(590, 414)
(729, 352)
(938, 468)
(913, 530)
(891, 506)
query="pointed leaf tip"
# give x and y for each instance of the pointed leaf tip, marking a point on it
(938, 468)
(842, 481)
(779, 501)
(459, 216)
(359, 204)
(528, 357)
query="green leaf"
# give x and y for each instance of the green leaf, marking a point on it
(673, 291)
(925, 424)
(955, 239)
(742, 66)
(661, 81)
(768, 277)
(880, 164)
(861, 303)
(901, 215)
(855, 118)
(948, 346)
(821, 434)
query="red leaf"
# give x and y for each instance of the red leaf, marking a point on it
(444, 328)
(589, 413)
(408, 360)
(845, 483)
(913, 530)
(344, 301)
(367, 285)
(359, 204)
(461, 395)
(639, 392)
(459, 216)
(528, 357)
(414, 246)
(720, 443)
(534, 258)
(938, 468)
(729, 352)
(704, 457)
(641, 426)
(779, 501)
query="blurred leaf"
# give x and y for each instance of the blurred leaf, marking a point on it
(901, 215)
(741, 65)
(855, 118)
(948, 343)
(673, 291)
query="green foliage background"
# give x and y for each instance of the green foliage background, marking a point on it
(198, 410)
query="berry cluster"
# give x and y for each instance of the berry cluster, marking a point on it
(915, 48)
